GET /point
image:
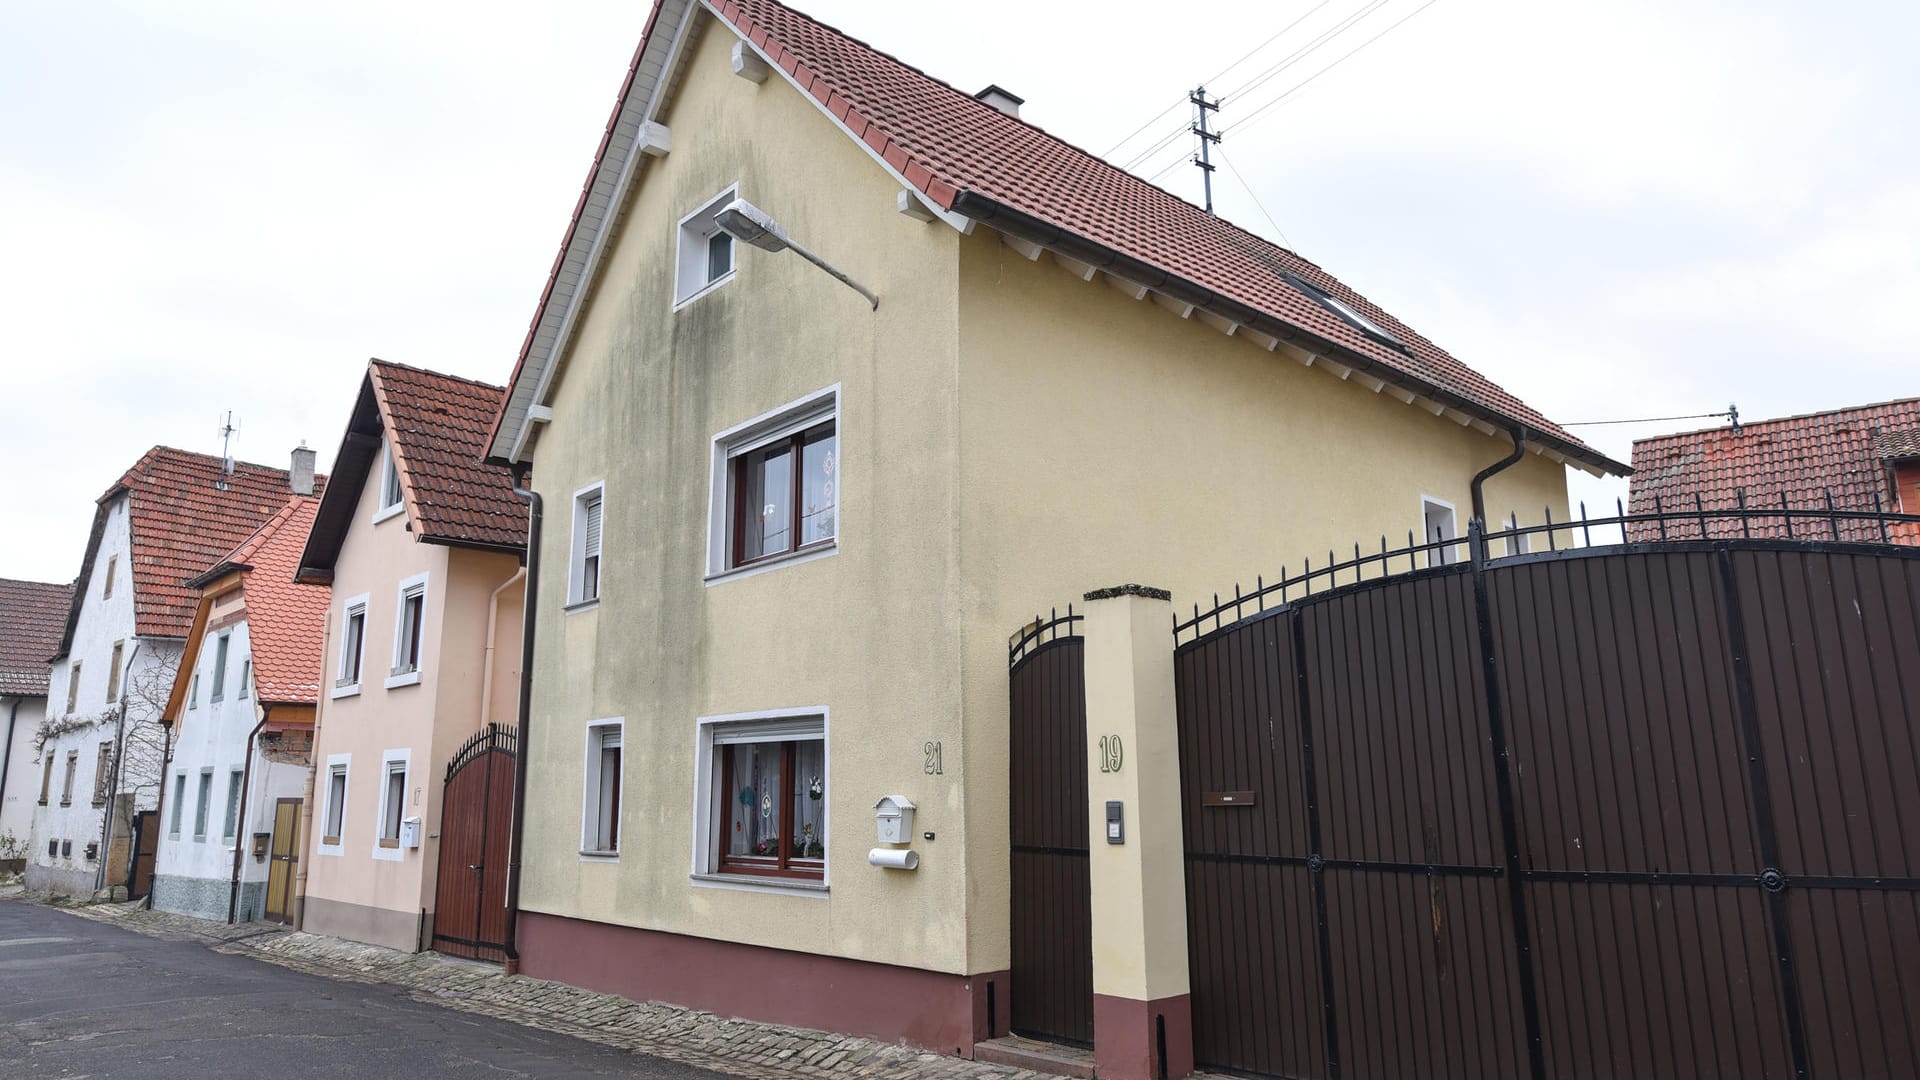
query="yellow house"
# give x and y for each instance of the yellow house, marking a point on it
(790, 524)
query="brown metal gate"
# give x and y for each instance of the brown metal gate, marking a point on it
(476, 818)
(146, 844)
(1051, 892)
(1645, 811)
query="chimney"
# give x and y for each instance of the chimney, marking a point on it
(1000, 99)
(301, 475)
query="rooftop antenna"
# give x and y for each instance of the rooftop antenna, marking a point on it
(1207, 138)
(227, 431)
(1733, 412)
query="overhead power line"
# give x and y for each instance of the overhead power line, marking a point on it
(1272, 71)
(1302, 84)
(1248, 188)
(1733, 413)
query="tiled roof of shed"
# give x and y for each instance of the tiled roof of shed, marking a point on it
(437, 425)
(286, 622)
(1897, 445)
(1800, 458)
(32, 614)
(182, 523)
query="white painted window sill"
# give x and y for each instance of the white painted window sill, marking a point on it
(757, 883)
(793, 558)
(707, 288)
(411, 678)
(349, 690)
(391, 511)
(599, 856)
(579, 606)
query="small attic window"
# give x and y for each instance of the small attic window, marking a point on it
(705, 257)
(1346, 312)
(389, 483)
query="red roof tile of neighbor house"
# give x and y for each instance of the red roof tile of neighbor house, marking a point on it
(32, 614)
(438, 429)
(969, 157)
(182, 521)
(1800, 458)
(286, 622)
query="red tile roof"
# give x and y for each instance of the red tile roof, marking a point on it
(286, 622)
(438, 426)
(969, 157)
(32, 614)
(1897, 445)
(182, 523)
(1800, 458)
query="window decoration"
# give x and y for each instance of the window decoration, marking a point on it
(775, 822)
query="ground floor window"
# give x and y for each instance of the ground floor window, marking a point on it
(766, 779)
(393, 802)
(335, 807)
(600, 826)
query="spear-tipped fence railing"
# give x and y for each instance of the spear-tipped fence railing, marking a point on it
(1043, 630)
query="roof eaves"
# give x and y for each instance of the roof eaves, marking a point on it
(1027, 227)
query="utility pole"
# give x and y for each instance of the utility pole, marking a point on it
(226, 452)
(1203, 159)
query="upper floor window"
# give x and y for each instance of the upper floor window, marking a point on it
(73, 685)
(390, 495)
(106, 588)
(193, 691)
(583, 580)
(220, 646)
(113, 673)
(1347, 312)
(179, 800)
(353, 646)
(73, 766)
(246, 676)
(704, 253)
(777, 486)
(407, 631)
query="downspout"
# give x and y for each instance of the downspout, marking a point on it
(303, 839)
(240, 814)
(493, 621)
(529, 605)
(6, 754)
(113, 778)
(1505, 463)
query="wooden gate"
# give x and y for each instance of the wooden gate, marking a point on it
(146, 844)
(283, 859)
(1648, 810)
(476, 819)
(1051, 895)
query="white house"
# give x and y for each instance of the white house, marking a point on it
(241, 718)
(168, 518)
(31, 616)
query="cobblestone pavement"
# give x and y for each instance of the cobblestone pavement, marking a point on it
(695, 1038)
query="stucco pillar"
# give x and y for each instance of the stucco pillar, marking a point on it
(1142, 1021)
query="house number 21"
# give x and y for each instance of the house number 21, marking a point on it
(1111, 753)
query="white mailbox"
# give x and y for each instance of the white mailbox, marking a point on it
(893, 819)
(410, 832)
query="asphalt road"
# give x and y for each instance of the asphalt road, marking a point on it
(80, 998)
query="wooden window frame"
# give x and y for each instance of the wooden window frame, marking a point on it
(73, 686)
(102, 767)
(737, 464)
(782, 863)
(66, 786)
(46, 778)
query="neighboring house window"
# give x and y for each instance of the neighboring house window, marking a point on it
(219, 692)
(600, 822)
(246, 675)
(113, 673)
(393, 800)
(584, 580)
(353, 644)
(102, 773)
(46, 777)
(389, 483)
(66, 788)
(1518, 543)
(203, 804)
(1436, 519)
(407, 631)
(704, 254)
(73, 685)
(232, 819)
(336, 806)
(777, 486)
(765, 779)
(179, 800)
(106, 589)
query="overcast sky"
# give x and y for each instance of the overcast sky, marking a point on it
(1616, 209)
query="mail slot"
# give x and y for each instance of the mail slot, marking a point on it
(1227, 798)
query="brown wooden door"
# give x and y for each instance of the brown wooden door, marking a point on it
(1050, 890)
(146, 839)
(285, 858)
(476, 818)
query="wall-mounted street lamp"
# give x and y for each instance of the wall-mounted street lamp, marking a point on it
(749, 224)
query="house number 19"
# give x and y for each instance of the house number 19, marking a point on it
(1111, 753)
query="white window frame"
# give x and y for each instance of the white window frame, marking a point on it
(597, 733)
(1518, 543)
(1443, 556)
(222, 648)
(690, 266)
(577, 552)
(417, 584)
(382, 509)
(342, 764)
(179, 803)
(352, 605)
(797, 415)
(202, 804)
(772, 725)
(388, 759)
(236, 795)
